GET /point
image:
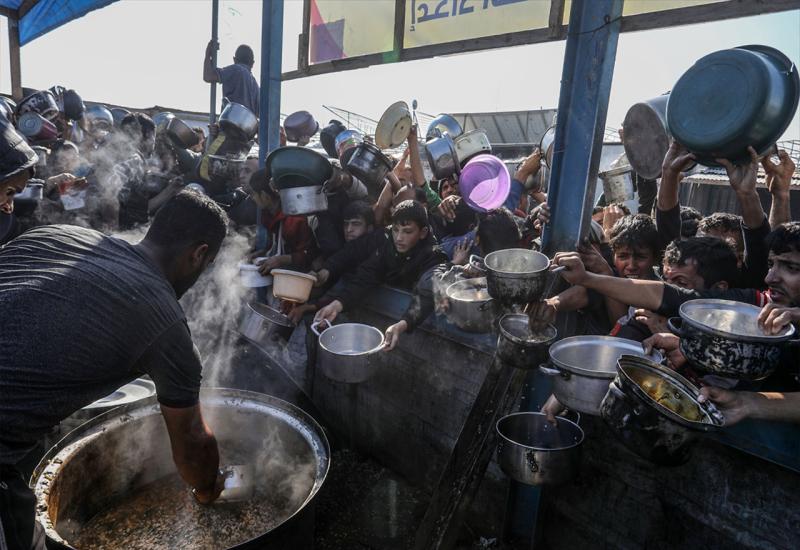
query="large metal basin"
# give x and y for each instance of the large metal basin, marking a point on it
(126, 448)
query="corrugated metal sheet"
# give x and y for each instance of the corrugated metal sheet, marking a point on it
(510, 126)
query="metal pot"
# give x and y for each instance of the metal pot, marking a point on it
(239, 120)
(442, 157)
(42, 102)
(617, 184)
(516, 275)
(181, 133)
(583, 366)
(36, 128)
(534, 452)
(443, 124)
(517, 347)
(470, 144)
(722, 337)
(300, 125)
(128, 447)
(265, 327)
(161, 120)
(470, 306)
(298, 167)
(369, 165)
(654, 411)
(546, 145)
(298, 201)
(346, 143)
(119, 113)
(346, 351)
(225, 169)
(646, 137)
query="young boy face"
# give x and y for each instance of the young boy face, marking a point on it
(634, 262)
(407, 235)
(354, 228)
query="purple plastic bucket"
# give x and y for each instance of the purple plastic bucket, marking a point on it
(484, 183)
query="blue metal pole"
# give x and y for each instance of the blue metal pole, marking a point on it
(582, 106)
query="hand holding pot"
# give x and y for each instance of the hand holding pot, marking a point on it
(552, 408)
(655, 322)
(540, 216)
(447, 208)
(669, 344)
(677, 160)
(742, 176)
(392, 335)
(775, 318)
(593, 260)
(541, 314)
(273, 262)
(530, 166)
(329, 312)
(734, 405)
(779, 176)
(575, 273)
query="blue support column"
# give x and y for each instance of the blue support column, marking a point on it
(582, 106)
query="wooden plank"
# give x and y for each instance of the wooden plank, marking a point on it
(14, 60)
(469, 458)
(303, 40)
(8, 12)
(399, 25)
(25, 7)
(555, 25)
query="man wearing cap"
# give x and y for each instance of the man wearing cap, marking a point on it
(238, 83)
(16, 165)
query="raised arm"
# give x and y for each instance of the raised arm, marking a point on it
(779, 179)
(209, 68)
(742, 178)
(677, 160)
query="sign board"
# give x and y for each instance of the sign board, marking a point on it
(340, 35)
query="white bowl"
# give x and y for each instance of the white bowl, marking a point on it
(250, 277)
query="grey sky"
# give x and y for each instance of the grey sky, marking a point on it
(145, 52)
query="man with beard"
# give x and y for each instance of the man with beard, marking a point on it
(109, 311)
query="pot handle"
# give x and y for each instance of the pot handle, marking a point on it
(316, 324)
(549, 371)
(675, 325)
(477, 262)
(619, 394)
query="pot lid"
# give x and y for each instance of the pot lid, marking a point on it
(669, 393)
(129, 393)
(595, 356)
(393, 127)
(514, 326)
(729, 319)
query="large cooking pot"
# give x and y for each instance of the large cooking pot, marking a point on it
(299, 126)
(225, 169)
(42, 102)
(731, 99)
(535, 452)
(328, 135)
(161, 120)
(722, 337)
(518, 347)
(443, 124)
(346, 351)
(470, 144)
(442, 157)
(298, 201)
(181, 133)
(239, 120)
(655, 411)
(546, 145)
(515, 275)
(582, 367)
(124, 450)
(646, 137)
(470, 307)
(36, 128)
(264, 326)
(369, 165)
(617, 184)
(346, 143)
(298, 167)
(119, 113)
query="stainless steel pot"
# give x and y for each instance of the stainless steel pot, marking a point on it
(442, 157)
(546, 145)
(265, 327)
(470, 306)
(583, 366)
(470, 144)
(517, 347)
(181, 133)
(646, 137)
(617, 184)
(369, 164)
(443, 124)
(722, 337)
(225, 169)
(346, 351)
(42, 102)
(239, 120)
(535, 452)
(654, 411)
(298, 201)
(516, 275)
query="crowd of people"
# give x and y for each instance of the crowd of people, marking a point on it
(110, 170)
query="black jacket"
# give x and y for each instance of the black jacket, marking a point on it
(355, 252)
(15, 154)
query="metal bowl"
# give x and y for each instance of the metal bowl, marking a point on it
(518, 347)
(443, 124)
(239, 120)
(298, 167)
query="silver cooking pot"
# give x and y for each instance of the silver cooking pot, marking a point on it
(515, 275)
(181, 133)
(617, 184)
(443, 124)
(442, 157)
(346, 351)
(298, 201)
(264, 326)
(546, 145)
(369, 165)
(128, 447)
(519, 348)
(535, 452)
(470, 307)
(225, 169)
(646, 137)
(583, 366)
(238, 119)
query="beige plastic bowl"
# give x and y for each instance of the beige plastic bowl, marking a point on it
(292, 286)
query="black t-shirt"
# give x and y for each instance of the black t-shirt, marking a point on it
(82, 315)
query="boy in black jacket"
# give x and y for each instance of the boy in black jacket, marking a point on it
(405, 261)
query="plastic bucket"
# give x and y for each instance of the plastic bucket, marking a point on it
(485, 183)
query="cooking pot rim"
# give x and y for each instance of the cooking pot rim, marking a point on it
(468, 284)
(765, 339)
(573, 426)
(497, 254)
(581, 371)
(271, 315)
(351, 325)
(550, 329)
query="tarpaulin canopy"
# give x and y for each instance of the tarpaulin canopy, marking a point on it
(39, 17)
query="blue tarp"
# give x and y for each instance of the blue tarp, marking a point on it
(47, 15)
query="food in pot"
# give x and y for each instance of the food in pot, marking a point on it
(163, 514)
(667, 395)
(474, 294)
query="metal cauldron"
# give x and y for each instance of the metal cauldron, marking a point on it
(264, 326)
(239, 120)
(298, 201)
(346, 351)
(515, 275)
(181, 133)
(646, 137)
(535, 452)
(128, 447)
(369, 165)
(470, 307)
(617, 184)
(546, 145)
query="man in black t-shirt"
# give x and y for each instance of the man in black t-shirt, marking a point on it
(83, 314)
